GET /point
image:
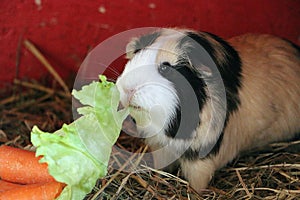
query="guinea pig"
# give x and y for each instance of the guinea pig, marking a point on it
(199, 100)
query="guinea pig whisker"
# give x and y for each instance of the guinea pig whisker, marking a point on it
(111, 79)
(114, 70)
(114, 73)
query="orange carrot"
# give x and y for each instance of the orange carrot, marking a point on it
(40, 191)
(4, 185)
(21, 166)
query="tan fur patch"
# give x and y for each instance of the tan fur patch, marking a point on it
(270, 95)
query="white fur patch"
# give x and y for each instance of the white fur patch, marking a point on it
(152, 98)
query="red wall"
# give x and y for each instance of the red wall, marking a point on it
(64, 30)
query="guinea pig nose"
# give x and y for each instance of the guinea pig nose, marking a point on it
(130, 94)
(126, 97)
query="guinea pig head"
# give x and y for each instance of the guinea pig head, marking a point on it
(151, 98)
(169, 81)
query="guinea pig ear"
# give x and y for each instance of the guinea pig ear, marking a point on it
(137, 44)
(201, 62)
(131, 48)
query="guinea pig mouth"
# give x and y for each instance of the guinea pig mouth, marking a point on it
(133, 105)
(136, 107)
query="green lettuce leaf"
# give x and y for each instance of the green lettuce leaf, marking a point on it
(78, 153)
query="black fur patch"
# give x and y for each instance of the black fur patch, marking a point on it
(186, 119)
(230, 70)
(229, 67)
(145, 40)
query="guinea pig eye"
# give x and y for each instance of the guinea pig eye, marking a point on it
(164, 68)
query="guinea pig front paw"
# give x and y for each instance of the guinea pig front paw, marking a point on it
(198, 173)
